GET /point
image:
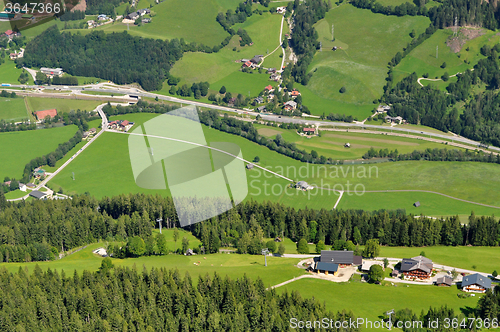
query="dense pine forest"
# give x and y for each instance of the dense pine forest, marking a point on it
(118, 57)
(118, 299)
(39, 230)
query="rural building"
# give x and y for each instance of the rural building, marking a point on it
(341, 257)
(294, 93)
(22, 186)
(102, 17)
(327, 268)
(274, 77)
(417, 267)
(395, 273)
(40, 115)
(396, 119)
(445, 281)
(261, 109)
(303, 185)
(271, 96)
(248, 64)
(416, 204)
(257, 59)
(11, 34)
(250, 166)
(281, 10)
(85, 134)
(17, 55)
(269, 88)
(271, 70)
(476, 283)
(7, 183)
(38, 194)
(290, 105)
(347, 145)
(143, 11)
(368, 264)
(52, 71)
(92, 131)
(38, 172)
(309, 131)
(259, 100)
(231, 101)
(146, 20)
(133, 16)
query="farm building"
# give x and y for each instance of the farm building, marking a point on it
(261, 109)
(259, 100)
(303, 185)
(327, 268)
(341, 257)
(417, 267)
(395, 273)
(52, 71)
(396, 119)
(309, 131)
(295, 93)
(257, 59)
(250, 166)
(38, 194)
(271, 70)
(444, 281)
(274, 77)
(280, 10)
(133, 16)
(40, 115)
(476, 283)
(269, 88)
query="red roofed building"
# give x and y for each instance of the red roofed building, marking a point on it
(269, 88)
(309, 130)
(124, 123)
(43, 114)
(9, 32)
(247, 64)
(294, 93)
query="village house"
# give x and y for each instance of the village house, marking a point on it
(343, 258)
(231, 101)
(396, 119)
(51, 72)
(280, 10)
(102, 17)
(261, 109)
(38, 194)
(303, 185)
(274, 77)
(290, 105)
(257, 59)
(271, 70)
(146, 20)
(133, 16)
(22, 187)
(259, 100)
(38, 173)
(476, 283)
(270, 97)
(309, 131)
(269, 88)
(40, 115)
(294, 93)
(11, 34)
(417, 267)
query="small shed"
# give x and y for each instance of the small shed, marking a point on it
(444, 281)
(347, 145)
(250, 166)
(416, 204)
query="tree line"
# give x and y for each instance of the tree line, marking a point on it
(72, 15)
(118, 57)
(124, 299)
(95, 7)
(140, 107)
(434, 155)
(62, 225)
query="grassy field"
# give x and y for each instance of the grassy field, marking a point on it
(9, 73)
(13, 109)
(233, 265)
(461, 257)
(471, 181)
(62, 105)
(331, 143)
(222, 69)
(361, 63)
(431, 204)
(423, 59)
(371, 301)
(17, 148)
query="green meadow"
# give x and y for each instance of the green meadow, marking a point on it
(18, 148)
(430, 204)
(62, 105)
(370, 301)
(279, 269)
(470, 181)
(422, 60)
(9, 73)
(331, 143)
(361, 62)
(13, 109)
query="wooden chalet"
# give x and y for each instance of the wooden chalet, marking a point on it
(417, 267)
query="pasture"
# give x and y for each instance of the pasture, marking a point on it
(371, 301)
(18, 148)
(422, 60)
(331, 143)
(233, 265)
(9, 73)
(62, 105)
(360, 63)
(13, 109)
(471, 181)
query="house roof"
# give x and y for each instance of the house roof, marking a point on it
(295, 93)
(37, 194)
(9, 32)
(269, 87)
(250, 166)
(444, 280)
(357, 260)
(476, 279)
(417, 204)
(124, 123)
(43, 114)
(324, 266)
(291, 103)
(416, 263)
(337, 256)
(303, 184)
(368, 264)
(309, 129)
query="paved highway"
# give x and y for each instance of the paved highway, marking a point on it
(113, 89)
